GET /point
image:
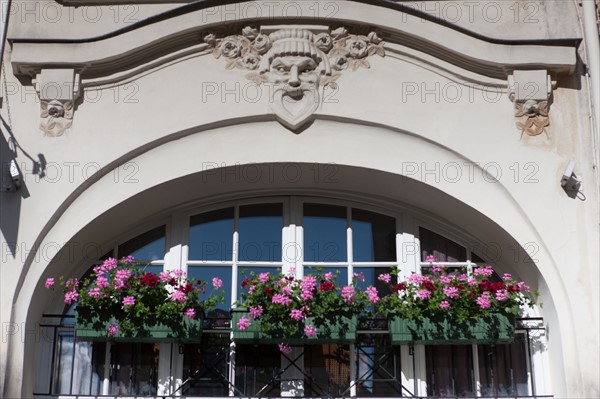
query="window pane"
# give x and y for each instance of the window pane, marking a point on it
(503, 368)
(86, 381)
(257, 370)
(145, 247)
(206, 273)
(324, 233)
(443, 249)
(205, 367)
(211, 235)
(373, 237)
(449, 370)
(260, 232)
(64, 362)
(378, 367)
(327, 371)
(135, 369)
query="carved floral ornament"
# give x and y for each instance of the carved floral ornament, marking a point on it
(297, 62)
(532, 117)
(57, 117)
(531, 92)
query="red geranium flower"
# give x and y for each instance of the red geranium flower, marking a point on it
(186, 288)
(150, 280)
(399, 287)
(428, 285)
(327, 286)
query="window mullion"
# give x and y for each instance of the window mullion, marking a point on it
(235, 254)
(298, 217)
(476, 375)
(177, 255)
(349, 243)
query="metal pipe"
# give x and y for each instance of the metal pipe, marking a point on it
(3, 31)
(592, 49)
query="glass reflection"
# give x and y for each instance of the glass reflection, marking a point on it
(145, 247)
(325, 233)
(207, 273)
(260, 232)
(373, 237)
(211, 235)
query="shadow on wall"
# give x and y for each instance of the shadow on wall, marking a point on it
(13, 187)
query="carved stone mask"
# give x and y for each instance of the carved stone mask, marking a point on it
(294, 66)
(295, 94)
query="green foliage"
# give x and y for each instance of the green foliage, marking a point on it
(130, 298)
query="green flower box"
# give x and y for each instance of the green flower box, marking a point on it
(493, 329)
(96, 329)
(338, 329)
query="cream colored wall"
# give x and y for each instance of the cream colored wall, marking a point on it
(400, 117)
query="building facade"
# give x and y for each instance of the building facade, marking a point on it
(357, 136)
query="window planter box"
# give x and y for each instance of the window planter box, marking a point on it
(96, 329)
(338, 329)
(494, 329)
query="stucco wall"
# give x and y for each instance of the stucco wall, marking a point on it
(407, 115)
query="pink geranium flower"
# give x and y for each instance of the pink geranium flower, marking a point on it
(348, 293)
(49, 282)
(263, 277)
(128, 301)
(285, 349)
(310, 330)
(484, 301)
(255, 312)
(113, 329)
(282, 299)
(423, 294)
(451, 292)
(71, 296)
(217, 282)
(296, 314)
(243, 324)
(178, 296)
(372, 294)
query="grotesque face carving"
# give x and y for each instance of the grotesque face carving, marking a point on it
(296, 88)
(295, 64)
(299, 73)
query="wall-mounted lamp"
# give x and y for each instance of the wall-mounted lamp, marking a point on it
(569, 181)
(16, 178)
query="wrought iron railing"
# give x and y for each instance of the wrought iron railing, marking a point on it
(377, 370)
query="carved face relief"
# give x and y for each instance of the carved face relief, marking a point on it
(296, 63)
(295, 82)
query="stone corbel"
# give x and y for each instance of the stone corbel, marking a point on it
(58, 90)
(530, 92)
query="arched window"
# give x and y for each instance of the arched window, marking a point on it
(230, 239)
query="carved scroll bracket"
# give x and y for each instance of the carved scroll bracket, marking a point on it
(58, 90)
(530, 92)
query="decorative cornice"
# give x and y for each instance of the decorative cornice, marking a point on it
(157, 37)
